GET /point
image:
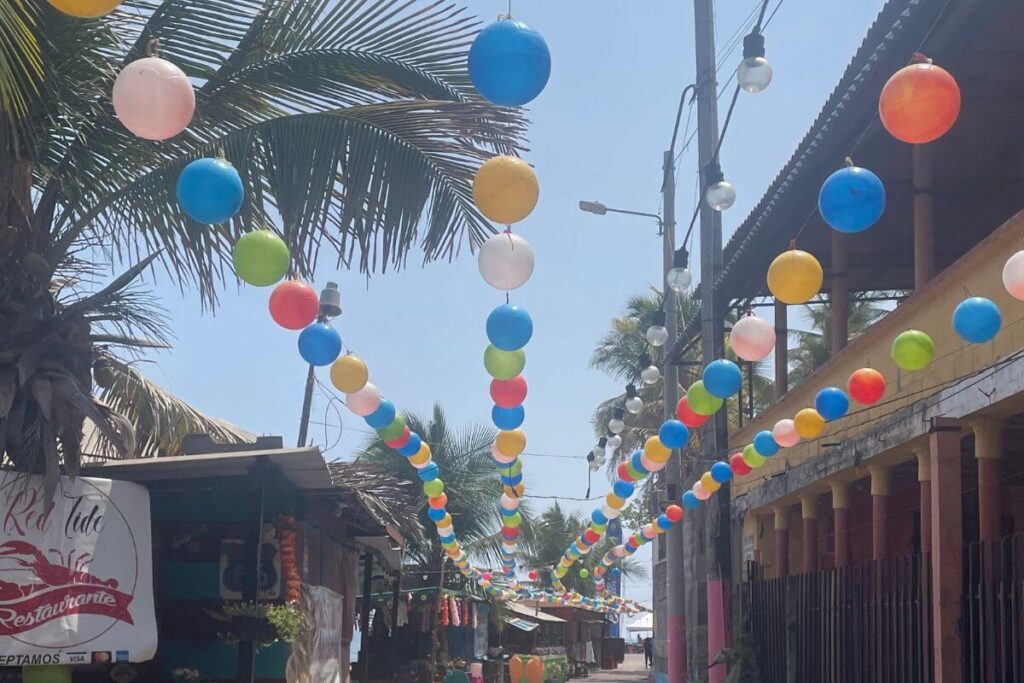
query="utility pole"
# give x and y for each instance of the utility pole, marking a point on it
(716, 544)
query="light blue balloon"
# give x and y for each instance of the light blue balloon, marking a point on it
(977, 320)
(383, 416)
(412, 446)
(722, 378)
(210, 191)
(852, 199)
(673, 433)
(690, 500)
(831, 403)
(721, 472)
(508, 419)
(320, 345)
(509, 327)
(509, 63)
(765, 444)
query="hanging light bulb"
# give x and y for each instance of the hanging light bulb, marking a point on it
(649, 373)
(634, 404)
(657, 335)
(599, 449)
(680, 278)
(720, 194)
(615, 442)
(616, 425)
(754, 73)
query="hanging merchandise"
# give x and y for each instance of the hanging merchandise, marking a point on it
(294, 305)
(505, 189)
(1013, 275)
(154, 99)
(506, 261)
(785, 434)
(913, 350)
(852, 199)
(509, 63)
(795, 276)
(752, 338)
(261, 258)
(809, 424)
(831, 403)
(701, 401)
(86, 9)
(977, 320)
(349, 374)
(210, 191)
(722, 378)
(866, 386)
(920, 102)
(319, 344)
(687, 416)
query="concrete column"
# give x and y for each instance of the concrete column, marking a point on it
(988, 451)
(924, 227)
(781, 349)
(809, 513)
(839, 298)
(924, 483)
(879, 511)
(947, 549)
(781, 541)
(841, 521)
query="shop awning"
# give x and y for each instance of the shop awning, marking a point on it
(522, 624)
(533, 614)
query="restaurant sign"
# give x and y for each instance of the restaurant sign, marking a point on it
(75, 572)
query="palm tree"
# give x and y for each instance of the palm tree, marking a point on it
(814, 346)
(470, 480)
(352, 123)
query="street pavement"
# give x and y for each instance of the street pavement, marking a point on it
(632, 670)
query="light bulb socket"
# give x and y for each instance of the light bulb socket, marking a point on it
(658, 319)
(590, 456)
(713, 173)
(681, 259)
(620, 412)
(753, 45)
(630, 391)
(645, 360)
(330, 301)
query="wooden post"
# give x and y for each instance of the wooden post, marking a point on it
(879, 511)
(781, 350)
(947, 549)
(924, 227)
(841, 521)
(839, 300)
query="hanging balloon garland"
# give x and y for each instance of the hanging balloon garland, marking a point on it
(648, 532)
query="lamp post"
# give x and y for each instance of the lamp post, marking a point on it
(330, 307)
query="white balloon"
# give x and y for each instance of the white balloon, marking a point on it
(1013, 275)
(154, 99)
(506, 261)
(364, 401)
(609, 512)
(785, 433)
(752, 338)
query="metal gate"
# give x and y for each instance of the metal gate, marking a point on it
(992, 610)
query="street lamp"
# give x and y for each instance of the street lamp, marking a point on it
(599, 209)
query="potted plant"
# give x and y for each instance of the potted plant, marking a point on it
(258, 622)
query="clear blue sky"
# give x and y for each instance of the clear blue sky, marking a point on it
(598, 132)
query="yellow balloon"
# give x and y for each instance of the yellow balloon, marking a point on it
(511, 443)
(445, 521)
(614, 502)
(86, 9)
(423, 451)
(420, 459)
(349, 374)
(505, 189)
(809, 424)
(709, 483)
(514, 491)
(795, 277)
(656, 451)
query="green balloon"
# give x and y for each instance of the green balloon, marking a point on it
(513, 521)
(261, 258)
(599, 528)
(584, 573)
(433, 488)
(913, 350)
(700, 401)
(393, 430)
(753, 459)
(512, 470)
(634, 472)
(504, 364)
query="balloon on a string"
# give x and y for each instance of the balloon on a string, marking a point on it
(752, 338)
(622, 471)
(1013, 275)
(402, 439)
(261, 258)
(86, 9)
(394, 430)
(701, 492)
(512, 442)
(866, 386)
(738, 466)
(506, 261)
(210, 191)
(690, 500)
(663, 522)
(674, 513)
(709, 483)
(701, 401)
(509, 393)
(752, 458)
(294, 305)
(319, 344)
(785, 433)
(411, 447)
(433, 487)
(532, 576)
(365, 401)
(919, 103)
(687, 416)
(656, 451)
(831, 403)
(509, 64)
(623, 489)
(349, 374)
(436, 515)
(508, 418)
(154, 99)
(430, 472)
(913, 350)
(809, 424)
(977, 320)
(509, 327)
(382, 416)
(673, 434)
(438, 502)
(722, 378)
(505, 189)
(504, 364)
(852, 199)
(795, 277)
(765, 444)
(584, 573)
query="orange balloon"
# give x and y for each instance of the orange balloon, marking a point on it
(515, 669)
(920, 103)
(535, 670)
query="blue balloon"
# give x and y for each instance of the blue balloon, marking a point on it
(664, 522)
(507, 513)
(636, 460)
(447, 539)
(383, 416)
(598, 517)
(320, 345)
(977, 320)
(509, 327)
(436, 514)
(722, 378)
(412, 446)
(623, 489)
(512, 481)
(690, 500)
(831, 403)
(430, 472)
(852, 199)
(721, 472)
(673, 434)
(765, 444)
(508, 419)
(615, 572)
(210, 191)
(509, 63)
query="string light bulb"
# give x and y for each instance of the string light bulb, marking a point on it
(649, 373)
(616, 425)
(754, 73)
(634, 404)
(657, 334)
(720, 194)
(680, 278)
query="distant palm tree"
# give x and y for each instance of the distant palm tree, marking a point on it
(814, 346)
(470, 481)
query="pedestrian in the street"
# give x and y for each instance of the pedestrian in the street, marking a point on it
(648, 652)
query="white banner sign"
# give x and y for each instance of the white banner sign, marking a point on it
(76, 574)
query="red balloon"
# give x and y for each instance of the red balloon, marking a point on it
(400, 441)
(438, 502)
(509, 534)
(509, 393)
(920, 103)
(623, 472)
(674, 513)
(591, 536)
(533, 576)
(739, 466)
(866, 386)
(294, 305)
(687, 416)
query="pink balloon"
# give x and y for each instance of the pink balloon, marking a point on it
(1013, 275)
(752, 338)
(364, 401)
(507, 502)
(785, 433)
(501, 457)
(701, 492)
(648, 531)
(650, 465)
(154, 99)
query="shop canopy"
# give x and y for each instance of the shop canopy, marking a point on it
(526, 618)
